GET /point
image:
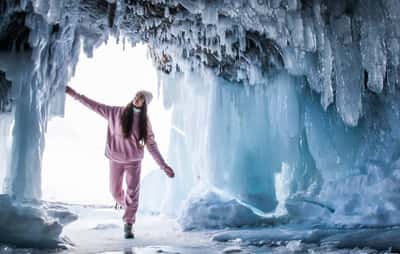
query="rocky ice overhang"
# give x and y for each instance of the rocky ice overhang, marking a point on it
(345, 49)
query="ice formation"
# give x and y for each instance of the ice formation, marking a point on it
(210, 208)
(32, 224)
(273, 100)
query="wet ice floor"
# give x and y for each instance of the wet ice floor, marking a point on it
(100, 231)
(198, 250)
(154, 250)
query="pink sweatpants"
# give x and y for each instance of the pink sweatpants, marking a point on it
(129, 200)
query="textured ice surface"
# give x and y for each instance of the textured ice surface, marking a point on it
(272, 100)
(296, 236)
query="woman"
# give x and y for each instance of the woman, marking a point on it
(129, 130)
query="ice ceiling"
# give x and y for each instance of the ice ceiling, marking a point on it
(306, 90)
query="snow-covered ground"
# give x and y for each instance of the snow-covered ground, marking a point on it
(99, 230)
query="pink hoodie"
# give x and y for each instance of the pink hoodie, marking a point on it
(118, 148)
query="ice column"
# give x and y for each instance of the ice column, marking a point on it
(6, 120)
(23, 155)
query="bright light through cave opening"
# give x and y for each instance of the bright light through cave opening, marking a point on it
(75, 169)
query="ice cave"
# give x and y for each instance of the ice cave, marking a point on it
(282, 119)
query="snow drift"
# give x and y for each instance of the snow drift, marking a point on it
(209, 208)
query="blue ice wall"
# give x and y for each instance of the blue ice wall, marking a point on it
(252, 131)
(242, 139)
(233, 137)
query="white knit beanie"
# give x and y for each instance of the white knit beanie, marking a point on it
(147, 95)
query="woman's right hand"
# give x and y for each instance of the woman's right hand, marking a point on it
(68, 89)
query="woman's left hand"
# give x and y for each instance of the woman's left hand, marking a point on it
(168, 170)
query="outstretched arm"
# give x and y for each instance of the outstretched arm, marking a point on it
(152, 147)
(102, 109)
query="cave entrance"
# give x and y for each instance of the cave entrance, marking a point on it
(75, 169)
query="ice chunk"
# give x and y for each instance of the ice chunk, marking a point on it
(18, 219)
(234, 249)
(207, 209)
(61, 213)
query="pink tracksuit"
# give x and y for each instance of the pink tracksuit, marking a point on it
(125, 154)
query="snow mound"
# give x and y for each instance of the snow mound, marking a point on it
(29, 225)
(207, 209)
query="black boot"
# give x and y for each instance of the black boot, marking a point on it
(128, 231)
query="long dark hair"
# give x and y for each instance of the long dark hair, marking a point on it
(127, 121)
